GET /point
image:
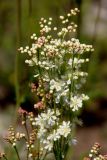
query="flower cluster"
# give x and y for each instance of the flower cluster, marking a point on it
(95, 153)
(13, 137)
(58, 61)
(59, 72)
(31, 143)
(50, 129)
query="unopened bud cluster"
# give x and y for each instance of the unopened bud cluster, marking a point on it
(95, 153)
(13, 137)
(31, 143)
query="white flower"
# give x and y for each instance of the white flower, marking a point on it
(30, 155)
(57, 112)
(64, 129)
(69, 81)
(84, 97)
(54, 136)
(64, 93)
(29, 62)
(47, 119)
(41, 133)
(48, 145)
(61, 17)
(55, 85)
(55, 28)
(75, 103)
(40, 121)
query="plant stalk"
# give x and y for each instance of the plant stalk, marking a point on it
(17, 153)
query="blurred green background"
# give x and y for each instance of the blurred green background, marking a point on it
(18, 20)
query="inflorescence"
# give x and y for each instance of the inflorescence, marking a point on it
(58, 61)
(95, 153)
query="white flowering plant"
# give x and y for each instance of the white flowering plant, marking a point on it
(57, 60)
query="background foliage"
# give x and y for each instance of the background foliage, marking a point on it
(18, 20)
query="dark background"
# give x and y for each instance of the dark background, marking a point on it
(18, 20)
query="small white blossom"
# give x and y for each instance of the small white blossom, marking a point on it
(84, 97)
(61, 17)
(41, 132)
(55, 85)
(55, 28)
(75, 103)
(48, 145)
(54, 136)
(64, 129)
(47, 119)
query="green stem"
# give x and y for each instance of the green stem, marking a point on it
(60, 145)
(38, 149)
(72, 81)
(27, 154)
(17, 153)
(71, 85)
(25, 125)
(54, 105)
(44, 156)
(58, 150)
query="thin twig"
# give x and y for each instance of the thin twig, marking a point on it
(25, 125)
(17, 153)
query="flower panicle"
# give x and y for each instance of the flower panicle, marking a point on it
(95, 154)
(58, 60)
